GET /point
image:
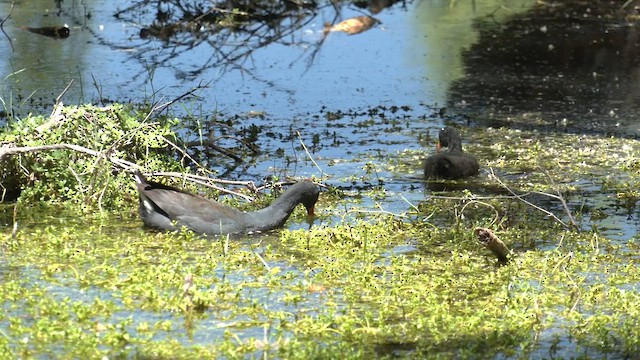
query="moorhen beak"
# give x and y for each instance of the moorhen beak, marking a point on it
(453, 164)
(167, 208)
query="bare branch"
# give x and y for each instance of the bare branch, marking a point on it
(521, 198)
(560, 197)
(9, 149)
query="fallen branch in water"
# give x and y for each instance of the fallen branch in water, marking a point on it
(204, 181)
(572, 223)
(559, 197)
(9, 149)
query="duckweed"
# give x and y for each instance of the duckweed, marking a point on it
(380, 287)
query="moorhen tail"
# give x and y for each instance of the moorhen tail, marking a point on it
(167, 208)
(453, 164)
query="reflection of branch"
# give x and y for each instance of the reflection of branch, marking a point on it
(232, 32)
(210, 143)
(318, 46)
(131, 8)
(162, 107)
(2, 25)
(8, 15)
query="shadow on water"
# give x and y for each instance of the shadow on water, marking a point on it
(566, 66)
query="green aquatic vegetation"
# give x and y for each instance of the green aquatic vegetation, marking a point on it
(567, 158)
(370, 288)
(361, 283)
(83, 175)
(527, 160)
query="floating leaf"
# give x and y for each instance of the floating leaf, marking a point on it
(353, 26)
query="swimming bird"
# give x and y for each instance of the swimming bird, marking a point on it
(168, 208)
(453, 164)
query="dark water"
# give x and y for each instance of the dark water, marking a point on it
(573, 65)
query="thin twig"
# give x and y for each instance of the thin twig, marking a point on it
(184, 153)
(497, 214)
(409, 202)
(64, 91)
(264, 263)
(309, 154)
(206, 181)
(561, 198)
(162, 107)
(15, 221)
(521, 198)
(55, 118)
(377, 212)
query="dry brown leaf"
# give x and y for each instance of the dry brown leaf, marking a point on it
(354, 25)
(100, 327)
(316, 288)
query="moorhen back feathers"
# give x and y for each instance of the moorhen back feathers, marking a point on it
(167, 208)
(453, 164)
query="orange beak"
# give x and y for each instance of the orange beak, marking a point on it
(310, 216)
(438, 147)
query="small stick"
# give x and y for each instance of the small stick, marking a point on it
(487, 238)
(63, 92)
(521, 198)
(309, 154)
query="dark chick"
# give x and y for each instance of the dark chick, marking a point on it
(452, 164)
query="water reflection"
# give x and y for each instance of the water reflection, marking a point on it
(447, 29)
(571, 66)
(252, 60)
(37, 68)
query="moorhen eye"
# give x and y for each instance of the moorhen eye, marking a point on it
(168, 208)
(453, 164)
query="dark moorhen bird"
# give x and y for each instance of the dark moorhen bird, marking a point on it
(453, 164)
(167, 208)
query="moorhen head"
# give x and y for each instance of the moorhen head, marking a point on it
(167, 208)
(453, 164)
